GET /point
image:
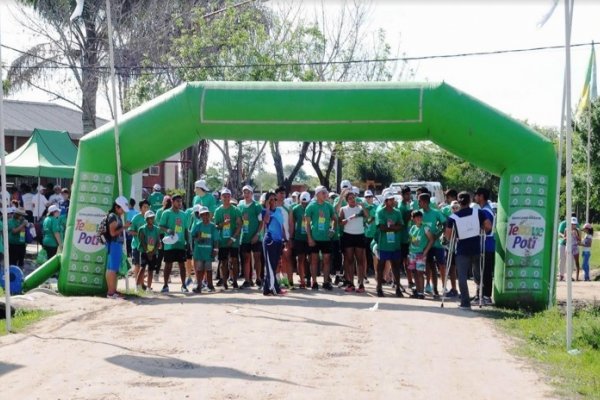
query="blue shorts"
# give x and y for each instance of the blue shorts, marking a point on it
(113, 259)
(389, 255)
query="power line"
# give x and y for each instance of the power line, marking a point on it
(166, 68)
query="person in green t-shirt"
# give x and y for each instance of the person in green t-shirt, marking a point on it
(206, 246)
(450, 196)
(166, 205)
(136, 223)
(16, 237)
(370, 229)
(203, 196)
(405, 208)
(229, 223)
(156, 198)
(300, 246)
(421, 241)
(149, 245)
(435, 221)
(52, 240)
(251, 247)
(173, 223)
(390, 224)
(320, 223)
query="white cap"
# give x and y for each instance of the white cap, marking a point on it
(20, 211)
(202, 210)
(225, 191)
(53, 208)
(156, 187)
(574, 220)
(389, 195)
(149, 214)
(41, 187)
(201, 184)
(122, 202)
(288, 202)
(346, 184)
(385, 192)
(320, 189)
(263, 197)
(368, 193)
(333, 194)
(355, 190)
(296, 194)
(305, 196)
(196, 208)
(248, 187)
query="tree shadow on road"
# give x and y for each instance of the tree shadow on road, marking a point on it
(5, 368)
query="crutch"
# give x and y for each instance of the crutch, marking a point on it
(451, 247)
(481, 267)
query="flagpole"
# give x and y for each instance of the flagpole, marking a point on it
(4, 211)
(569, 172)
(111, 55)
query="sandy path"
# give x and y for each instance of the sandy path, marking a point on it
(243, 345)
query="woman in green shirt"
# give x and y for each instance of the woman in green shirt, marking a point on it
(16, 237)
(52, 240)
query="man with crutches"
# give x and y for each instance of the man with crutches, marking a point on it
(486, 275)
(467, 223)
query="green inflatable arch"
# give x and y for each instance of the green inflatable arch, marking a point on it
(525, 161)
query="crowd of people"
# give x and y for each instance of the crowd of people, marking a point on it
(327, 240)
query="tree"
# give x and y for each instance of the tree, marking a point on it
(369, 162)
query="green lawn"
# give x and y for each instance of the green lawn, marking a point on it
(595, 259)
(24, 318)
(542, 338)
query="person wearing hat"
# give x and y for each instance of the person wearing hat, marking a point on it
(149, 243)
(203, 196)
(114, 245)
(251, 247)
(575, 245)
(389, 223)
(206, 247)
(229, 223)
(436, 257)
(173, 223)
(406, 210)
(64, 208)
(137, 222)
(370, 229)
(300, 247)
(16, 237)
(39, 203)
(56, 197)
(52, 240)
(295, 198)
(320, 223)
(467, 224)
(166, 205)
(482, 197)
(586, 250)
(156, 198)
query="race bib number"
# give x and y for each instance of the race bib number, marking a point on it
(391, 237)
(246, 227)
(227, 230)
(321, 223)
(178, 226)
(150, 248)
(22, 236)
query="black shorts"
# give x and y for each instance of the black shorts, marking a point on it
(151, 264)
(404, 250)
(438, 253)
(249, 247)
(176, 255)
(323, 247)
(350, 241)
(188, 252)
(136, 257)
(228, 252)
(300, 247)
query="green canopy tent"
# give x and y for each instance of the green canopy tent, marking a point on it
(49, 154)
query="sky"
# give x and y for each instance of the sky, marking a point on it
(526, 85)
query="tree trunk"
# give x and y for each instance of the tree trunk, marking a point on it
(89, 76)
(287, 182)
(202, 148)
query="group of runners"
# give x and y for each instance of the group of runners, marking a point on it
(341, 239)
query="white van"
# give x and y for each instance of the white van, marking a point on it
(435, 188)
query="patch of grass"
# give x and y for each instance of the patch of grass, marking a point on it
(24, 318)
(595, 258)
(543, 338)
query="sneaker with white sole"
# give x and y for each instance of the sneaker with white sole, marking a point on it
(428, 289)
(165, 289)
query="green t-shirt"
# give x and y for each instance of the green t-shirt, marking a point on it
(561, 229)
(136, 223)
(446, 210)
(299, 226)
(370, 226)
(227, 219)
(149, 238)
(15, 238)
(155, 199)
(389, 241)
(51, 226)
(418, 238)
(208, 201)
(320, 216)
(206, 237)
(251, 216)
(176, 222)
(435, 221)
(406, 210)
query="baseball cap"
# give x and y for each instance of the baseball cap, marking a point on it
(156, 187)
(53, 208)
(574, 220)
(389, 196)
(201, 184)
(333, 195)
(355, 190)
(196, 208)
(248, 187)
(122, 202)
(288, 202)
(305, 197)
(203, 210)
(149, 214)
(368, 193)
(320, 189)
(295, 194)
(587, 226)
(41, 187)
(385, 192)
(225, 191)
(346, 184)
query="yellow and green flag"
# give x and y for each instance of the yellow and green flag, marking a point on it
(590, 89)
